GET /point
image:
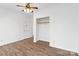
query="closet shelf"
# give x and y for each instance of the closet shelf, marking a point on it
(42, 22)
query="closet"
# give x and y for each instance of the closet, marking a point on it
(42, 29)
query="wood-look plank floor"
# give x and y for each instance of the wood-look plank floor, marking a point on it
(26, 47)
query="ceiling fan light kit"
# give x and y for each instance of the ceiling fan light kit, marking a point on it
(28, 8)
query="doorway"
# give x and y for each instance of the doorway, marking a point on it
(42, 29)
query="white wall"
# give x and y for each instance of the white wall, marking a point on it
(15, 25)
(64, 25)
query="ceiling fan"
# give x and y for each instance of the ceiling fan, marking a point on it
(27, 8)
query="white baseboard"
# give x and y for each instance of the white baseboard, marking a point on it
(54, 45)
(5, 43)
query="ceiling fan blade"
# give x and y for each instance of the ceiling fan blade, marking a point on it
(20, 6)
(34, 7)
